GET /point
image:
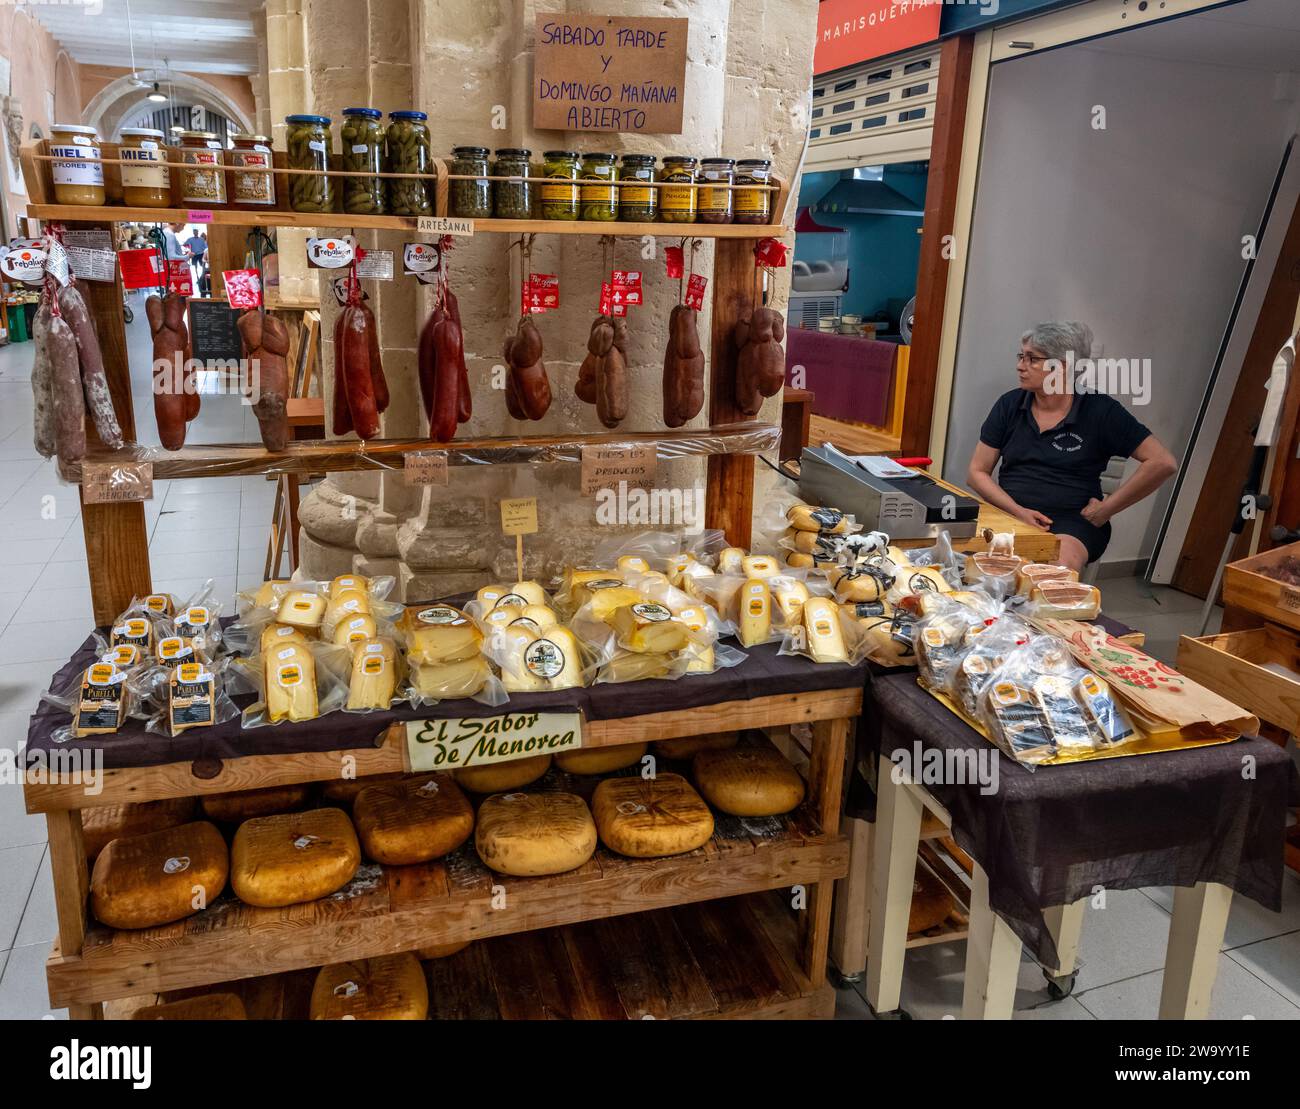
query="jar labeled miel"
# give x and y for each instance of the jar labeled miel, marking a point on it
(753, 205)
(205, 183)
(599, 202)
(308, 140)
(76, 182)
(677, 202)
(512, 199)
(146, 183)
(714, 205)
(251, 154)
(560, 190)
(637, 203)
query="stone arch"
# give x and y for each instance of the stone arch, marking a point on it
(122, 98)
(67, 89)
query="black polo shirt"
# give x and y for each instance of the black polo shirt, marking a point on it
(1059, 470)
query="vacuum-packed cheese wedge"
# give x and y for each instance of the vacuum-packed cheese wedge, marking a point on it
(678, 563)
(759, 566)
(789, 595)
(888, 638)
(208, 1006)
(494, 776)
(633, 564)
(102, 824)
(267, 592)
(134, 629)
(554, 659)
(501, 617)
(374, 674)
(1066, 600)
(293, 857)
(797, 561)
(513, 595)
(101, 705)
(289, 673)
(160, 604)
(731, 560)
(389, 987)
(821, 621)
(191, 697)
(349, 583)
(158, 877)
(235, 808)
(301, 608)
(438, 633)
(605, 601)
(703, 658)
(631, 666)
(748, 781)
(995, 566)
(540, 617)
(354, 630)
(510, 644)
(449, 681)
(1034, 573)
(687, 747)
(648, 627)
(600, 760)
(861, 582)
(529, 834)
(647, 818)
(575, 579)
(275, 635)
(412, 820)
(918, 579)
(351, 602)
(651, 578)
(807, 517)
(754, 604)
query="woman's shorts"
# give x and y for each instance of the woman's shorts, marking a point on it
(1095, 539)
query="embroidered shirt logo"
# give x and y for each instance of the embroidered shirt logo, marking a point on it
(1068, 441)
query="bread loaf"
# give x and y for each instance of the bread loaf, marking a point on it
(748, 781)
(437, 634)
(104, 823)
(158, 877)
(208, 1006)
(235, 808)
(390, 987)
(600, 760)
(293, 857)
(646, 818)
(687, 747)
(491, 777)
(374, 675)
(412, 820)
(648, 627)
(529, 834)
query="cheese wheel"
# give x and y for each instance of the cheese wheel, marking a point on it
(293, 857)
(759, 566)
(754, 602)
(151, 879)
(648, 628)
(679, 563)
(798, 561)
(501, 617)
(449, 681)
(413, 819)
(390, 987)
(633, 564)
(600, 760)
(438, 633)
(354, 629)
(373, 680)
(687, 747)
(494, 776)
(931, 902)
(301, 608)
(807, 517)
(789, 595)
(647, 818)
(343, 791)
(529, 834)
(554, 657)
(488, 596)
(882, 646)
(442, 950)
(748, 781)
(632, 666)
(104, 823)
(509, 644)
(275, 635)
(821, 622)
(235, 808)
(208, 1006)
(731, 560)
(917, 579)
(815, 542)
(860, 584)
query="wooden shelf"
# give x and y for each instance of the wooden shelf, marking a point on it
(390, 909)
(89, 213)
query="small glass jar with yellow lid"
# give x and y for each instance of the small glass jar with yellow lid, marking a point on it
(204, 181)
(76, 182)
(146, 183)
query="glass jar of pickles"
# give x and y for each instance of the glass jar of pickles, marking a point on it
(512, 199)
(308, 139)
(471, 198)
(145, 180)
(714, 205)
(637, 203)
(409, 152)
(252, 154)
(205, 183)
(560, 200)
(677, 202)
(599, 202)
(76, 182)
(362, 136)
(753, 205)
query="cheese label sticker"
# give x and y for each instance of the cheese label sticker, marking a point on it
(124, 654)
(512, 600)
(1007, 693)
(287, 652)
(374, 648)
(373, 664)
(630, 808)
(131, 631)
(195, 618)
(440, 614)
(284, 629)
(450, 742)
(347, 583)
(177, 864)
(652, 611)
(933, 637)
(429, 788)
(104, 673)
(157, 602)
(303, 842)
(605, 583)
(173, 647)
(543, 659)
(303, 605)
(289, 676)
(346, 989)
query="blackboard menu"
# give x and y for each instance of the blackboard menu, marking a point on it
(213, 333)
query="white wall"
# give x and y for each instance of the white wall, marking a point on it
(1135, 229)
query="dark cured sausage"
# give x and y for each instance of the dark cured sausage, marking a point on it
(450, 347)
(760, 362)
(356, 374)
(43, 385)
(377, 380)
(427, 360)
(464, 399)
(168, 384)
(266, 348)
(99, 401)
(611, 379)
(69, 404)
(513, 405)
(342, 417)
(683, 368)
(527, 371)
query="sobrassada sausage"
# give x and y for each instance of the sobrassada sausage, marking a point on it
(94, 382)
(69, 401)
(683, 368)
(177, 320)
(342, 417)
(598, 345)
(427, 360)
(513, 404)
(442, 417)
(532, 386)
(377, 381)
(356, 371)
(611, 379)
(266, 347)
(43, 385)
(168, 384)
(464, 399)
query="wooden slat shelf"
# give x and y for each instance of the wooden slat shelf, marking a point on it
(336, 455)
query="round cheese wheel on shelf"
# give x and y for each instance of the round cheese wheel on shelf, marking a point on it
(441, 950)
(492, 777)
(688, 746)
(104, 823)
(647, 818)
(413, 820)
(343, 791)
(748, 781)
(151, 879)
(931, 902)
(292, 857)
(528, 834)
(390, 987)
(600, 760)
(208, 1006)
(235, 808)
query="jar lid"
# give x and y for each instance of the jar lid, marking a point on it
(308, 119)
(369, 113)
(250, 138)
(681, 159)
(513, 152)
(640, 159)
(718, 162)
(206, 136)
(757, 163)
(599, 157)
(558, 155)
(141, 133)
(420, 116)
(75, 128)
(470, 151)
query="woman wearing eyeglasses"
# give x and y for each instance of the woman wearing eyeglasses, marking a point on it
(1055, 443)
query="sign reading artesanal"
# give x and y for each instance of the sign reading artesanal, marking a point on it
(472, 740)
(851, 31)
(609, 73)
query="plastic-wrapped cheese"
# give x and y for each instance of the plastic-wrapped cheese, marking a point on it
(648, 627)
(349, 583)
(289, 675)
(450, 681)
(438, 633)
(374, 675)
(821, 621)
(510, 644)
(754, 603)
(301, 608)
(553, 657)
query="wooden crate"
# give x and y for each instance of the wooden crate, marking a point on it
(1244, 667)
(1245, 586)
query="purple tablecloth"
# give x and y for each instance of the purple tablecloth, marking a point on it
(851, 379)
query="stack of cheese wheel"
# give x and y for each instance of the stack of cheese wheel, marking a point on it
(343, 791)
(104, 823)
(815, 537)
(349, 615)
(159, 877)
(413, 819)
(292, 857)
(390, 987)
(493, 777)
(647, 818)
(600, 760)
(748, 781)
(443, 650)
(235, 808)
(208, 1006)
(685, 748)
(531, 834)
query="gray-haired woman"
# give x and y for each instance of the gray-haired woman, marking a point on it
(1055, 443)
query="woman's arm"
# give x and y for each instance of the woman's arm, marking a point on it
(979, 477)
(1155, 466)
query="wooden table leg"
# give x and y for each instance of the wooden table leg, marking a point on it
(71, 888)
(853, 903)
(1065, 922)
(893, 871)
(826, 785)
(291, 497)
(1192, 959)
(992, 958)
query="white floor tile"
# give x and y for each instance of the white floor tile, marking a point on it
(24, 994)
(18, 827)
(1249, 922)
(1126, 938)
(18, 870)
(216, 520)
(193, 541)
(1238, 994)
(23, 644)
(201, 502)
(40, 921)
(1276, 961)
(43, 605)
(19, 552)
(21, 685)
(63, 575)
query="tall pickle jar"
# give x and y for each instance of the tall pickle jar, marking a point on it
(753, 205)
(599, 202)
(409, 151)
(76, 182)
(146, 182)
(715, 204)
(637, 203)
(308, 139)
(252, 153)
(472, 198)
(203, 181)
(677, 202)
(560, 201)
(512, 199)
(362, 138)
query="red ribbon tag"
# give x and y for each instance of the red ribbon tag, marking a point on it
(606, 299)
(243, 288)
(673, 260)
(770, 253)
(695, 291)
(627, 287)
(180, 280)
(140, 268)
(541, 294)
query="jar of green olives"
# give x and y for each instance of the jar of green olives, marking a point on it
(408, 152)
(677, 202)
(512, 199)
(363, 153)
(753, 205)
(599, 202)
(637, 203)
(560, 201)
(471, 198)
(715, 203)
(308, 139)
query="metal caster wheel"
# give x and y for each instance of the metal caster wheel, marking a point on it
(1061, 987)
(844, 981)
(893, 1014)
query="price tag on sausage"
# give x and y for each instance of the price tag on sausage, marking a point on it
(674, 262)
(519, 516)
(606, 298)
(426, 467)
(90, 264)
(627, 287)
(695, 291)
(604, 467)
(140, 268)
(116, 482)
(56, 262)
(542, 293)
(770, 253)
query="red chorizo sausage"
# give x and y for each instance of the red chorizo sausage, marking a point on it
(442, 418)
(464, 399)
(427, 359)
(357, 379)
(168, 379)
(342, 416)
(377, 379)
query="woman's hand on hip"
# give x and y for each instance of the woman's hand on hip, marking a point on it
(1096, 513)
(1029, 516)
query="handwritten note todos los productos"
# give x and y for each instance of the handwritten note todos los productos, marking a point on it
(606, 73)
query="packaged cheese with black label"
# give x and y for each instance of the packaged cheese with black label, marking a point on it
(102, 702)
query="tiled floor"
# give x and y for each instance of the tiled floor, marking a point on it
(221, 534)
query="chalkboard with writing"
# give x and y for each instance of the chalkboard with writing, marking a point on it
(607, 73)
(213, 333)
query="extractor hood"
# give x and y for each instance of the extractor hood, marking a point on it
(863, 192)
